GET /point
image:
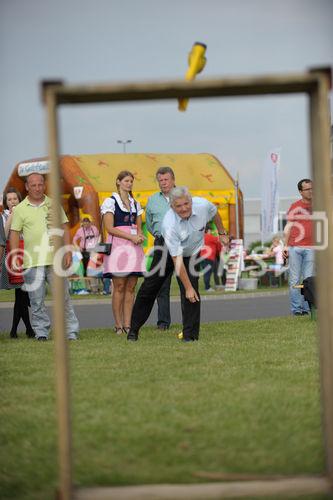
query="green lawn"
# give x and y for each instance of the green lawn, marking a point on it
(243, 399)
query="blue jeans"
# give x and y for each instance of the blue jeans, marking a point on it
(208, 265)
(106, 285)
(301, 266)
(36, 278)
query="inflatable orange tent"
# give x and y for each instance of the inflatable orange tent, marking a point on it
(89, 179)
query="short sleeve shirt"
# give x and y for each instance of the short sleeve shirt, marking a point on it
(186, 236)
(87, 237)
(34, 222)
(301, 231)
(157, 207)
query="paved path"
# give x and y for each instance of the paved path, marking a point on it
(223, 307)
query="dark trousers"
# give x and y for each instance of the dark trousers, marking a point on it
(163, 303)
(216, 264)
(85, 260)
(21, 311)
(150, 288)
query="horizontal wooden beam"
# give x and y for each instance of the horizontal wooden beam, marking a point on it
(240, 86)
(282, 487)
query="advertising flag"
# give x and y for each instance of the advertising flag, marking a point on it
(270, 195)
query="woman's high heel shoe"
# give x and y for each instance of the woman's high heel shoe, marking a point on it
(118, 330)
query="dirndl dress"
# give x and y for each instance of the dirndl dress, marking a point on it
(126, 258)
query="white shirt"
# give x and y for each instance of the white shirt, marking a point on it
(186, 236)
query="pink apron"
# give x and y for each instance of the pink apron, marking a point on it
(126, 257)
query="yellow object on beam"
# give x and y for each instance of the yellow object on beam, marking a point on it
(196, 63)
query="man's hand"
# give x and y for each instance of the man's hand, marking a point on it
(191, 294)
(16, 263)
(224, 239)
(67, 260)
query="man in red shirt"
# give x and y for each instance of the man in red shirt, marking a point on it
(299, 246)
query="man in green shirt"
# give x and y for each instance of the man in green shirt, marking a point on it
(32, 218)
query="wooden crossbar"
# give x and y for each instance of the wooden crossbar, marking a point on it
(264, 488)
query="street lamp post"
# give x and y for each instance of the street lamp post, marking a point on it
(124, 143)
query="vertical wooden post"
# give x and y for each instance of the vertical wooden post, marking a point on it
(61, 347)
(322, 176)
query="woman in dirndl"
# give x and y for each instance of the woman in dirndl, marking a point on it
(9, 279)
(126, 262)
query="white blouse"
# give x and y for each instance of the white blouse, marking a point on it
(108, 205)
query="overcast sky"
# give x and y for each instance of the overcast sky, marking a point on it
(81, 41)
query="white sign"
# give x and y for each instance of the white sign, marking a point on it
(78, 190)
(33, 167)
(270, 195)
(235, 265)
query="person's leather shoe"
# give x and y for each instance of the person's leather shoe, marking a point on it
(42, 339)
(132, 336)
(162, 327)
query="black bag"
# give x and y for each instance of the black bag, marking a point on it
(103, 248)
(309, 291)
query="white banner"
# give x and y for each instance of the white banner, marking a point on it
(33, 167)
(270, 195)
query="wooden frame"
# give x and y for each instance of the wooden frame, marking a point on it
(316, 85)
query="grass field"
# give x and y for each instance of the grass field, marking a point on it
(244, 399)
